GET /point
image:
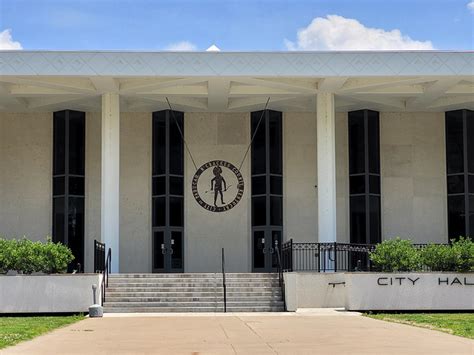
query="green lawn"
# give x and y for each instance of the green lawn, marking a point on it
(461, 324)
(16, 329)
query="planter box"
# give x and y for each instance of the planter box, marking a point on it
(409, 291)
(48, 293)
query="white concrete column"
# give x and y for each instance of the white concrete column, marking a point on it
(110, 217)
(326, 145)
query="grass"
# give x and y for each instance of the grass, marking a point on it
(16, 329)
(461, 324)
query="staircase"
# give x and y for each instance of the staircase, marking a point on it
(193, 293)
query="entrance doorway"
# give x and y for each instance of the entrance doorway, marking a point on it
(264, 257)
(168, 251)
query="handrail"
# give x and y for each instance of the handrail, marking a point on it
(105, 274)
(224, 286)
(280, 273)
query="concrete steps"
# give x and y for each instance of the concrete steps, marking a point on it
(198, 292)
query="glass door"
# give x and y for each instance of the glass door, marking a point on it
(264, 258)
(168, 251)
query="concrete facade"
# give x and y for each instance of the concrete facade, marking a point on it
(413, 182)
(413, 167)
(212, 136)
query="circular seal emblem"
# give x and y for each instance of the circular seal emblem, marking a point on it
(215, 184)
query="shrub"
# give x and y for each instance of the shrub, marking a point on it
(463, 254)
(438, 257)
(396, 255)
(26, 256)
(57, 257)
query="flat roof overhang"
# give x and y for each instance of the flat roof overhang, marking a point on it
(33, 81)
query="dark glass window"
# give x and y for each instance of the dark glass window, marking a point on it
(357, 184)
(275, 137)
(374, 220)
(267, 185)
(459, 166)
(58, 185)
(69, 129)
(276, 185)
(456, 216)
(276, 211)
(59, 219)
(356, 142)
(76, 185)
(258, 185)
(159, 142)
(358, 219)
(454, 142)
(456, 184)
(470, 140)
(364, 176)
(59, 142)
(168, 190)
(159, 185)
(176, 185)
(259, 211)
(176, 144)
(176, 211)
(259, 142)
(159, 212)
(76, 142)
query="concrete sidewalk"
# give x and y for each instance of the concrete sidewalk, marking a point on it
(283, 333)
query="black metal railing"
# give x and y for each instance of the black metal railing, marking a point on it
(322, 257)
(99, 256)
(105, 274)
(281, 280)
(102, 265)
(224, 286)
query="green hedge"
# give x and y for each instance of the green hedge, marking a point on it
(400, 255)
(26, 256)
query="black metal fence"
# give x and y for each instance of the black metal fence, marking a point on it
(321, 257)
(99, 256)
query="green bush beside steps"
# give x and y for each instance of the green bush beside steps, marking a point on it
(26, 256)
(401, 255)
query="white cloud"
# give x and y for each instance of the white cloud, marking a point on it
(213, 48)
(185, 46)
(7, 42)
(339, 33)
(470, 6)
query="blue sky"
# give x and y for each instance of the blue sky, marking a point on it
(237, 25)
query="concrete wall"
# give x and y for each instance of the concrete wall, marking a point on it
(412, 155)
(410, 291)
(314, 290)
(135, 192)
(48, 293)
(213, 136)
(300, 206)
(92, 187)
(25, 174)
(342, 178)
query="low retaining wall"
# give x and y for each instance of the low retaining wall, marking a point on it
(314, 290)
(380, 291)
(48, 293)
(409, 291)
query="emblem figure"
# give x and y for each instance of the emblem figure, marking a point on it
(216, 184)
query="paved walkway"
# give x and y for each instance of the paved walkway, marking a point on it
(288, 333)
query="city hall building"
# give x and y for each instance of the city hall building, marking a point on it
(170, 157)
